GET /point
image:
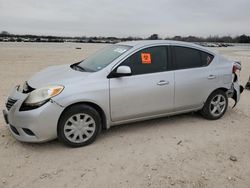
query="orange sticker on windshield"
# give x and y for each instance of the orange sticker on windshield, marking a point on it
(145, 58)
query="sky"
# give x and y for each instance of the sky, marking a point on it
(123, 18)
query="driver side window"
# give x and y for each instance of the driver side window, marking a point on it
(148, 60)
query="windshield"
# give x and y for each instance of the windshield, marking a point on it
(103, 58)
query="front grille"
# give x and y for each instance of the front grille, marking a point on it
(10, 103)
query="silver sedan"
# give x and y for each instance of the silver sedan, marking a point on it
(121, 83)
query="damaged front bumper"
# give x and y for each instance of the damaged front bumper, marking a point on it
(37, 125)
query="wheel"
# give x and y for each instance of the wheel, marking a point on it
(79, 126)
(215, 106)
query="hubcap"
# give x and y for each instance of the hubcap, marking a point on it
(218, 105)
(79, 128)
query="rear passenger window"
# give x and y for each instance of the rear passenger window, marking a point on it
(149, 60)
(206, 58)
(191, 58)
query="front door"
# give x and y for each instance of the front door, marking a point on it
(148, 91)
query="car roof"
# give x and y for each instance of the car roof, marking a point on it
(142, 43)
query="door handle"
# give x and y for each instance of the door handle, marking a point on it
(210, 77)
(162, 83)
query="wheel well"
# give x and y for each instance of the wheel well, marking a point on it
(96, 107)
(221, 88)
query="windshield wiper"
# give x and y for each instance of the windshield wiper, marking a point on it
(77, 67)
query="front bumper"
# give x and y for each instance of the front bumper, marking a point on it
(38, 125)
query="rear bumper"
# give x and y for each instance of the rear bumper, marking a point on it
(38, 125)
(235, 92)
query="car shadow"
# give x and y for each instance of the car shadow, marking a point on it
(157, 122)
(124, 129)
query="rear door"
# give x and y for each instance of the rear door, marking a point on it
(150, 89)
(194, 78)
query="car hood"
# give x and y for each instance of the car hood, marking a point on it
(56, 75)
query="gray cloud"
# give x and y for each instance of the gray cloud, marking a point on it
(126, 18)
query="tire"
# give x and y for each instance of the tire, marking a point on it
(215, 106)
(79, 126)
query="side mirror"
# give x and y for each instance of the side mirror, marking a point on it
(120, 71)
(123, 71)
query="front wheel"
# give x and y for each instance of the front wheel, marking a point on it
(79, 125)
(215, 106)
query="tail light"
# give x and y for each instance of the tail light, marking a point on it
(236, 66)
(234, 69)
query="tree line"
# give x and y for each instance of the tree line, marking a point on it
(224, 39)
(40, 38)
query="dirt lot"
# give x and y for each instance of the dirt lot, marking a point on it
(180, 151)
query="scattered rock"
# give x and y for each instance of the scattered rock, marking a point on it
(167, 177)
(83, 175)
(179, 142)
(4, 181)
(149, 183)
(182, 181)
(172, 182)
(27, 156)
(10, 175)
(149, 176)
(89, 170)
(205, 178)
(154, 169)
(57, 171)
(239, 177)
(3, 135)
(233, 158)
(231, 178)
(78, 48)
(45, 175)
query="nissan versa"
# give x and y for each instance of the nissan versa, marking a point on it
(121, 83)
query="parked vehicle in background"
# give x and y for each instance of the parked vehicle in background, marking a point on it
(122, 83)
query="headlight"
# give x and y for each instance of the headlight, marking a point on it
(42, 95)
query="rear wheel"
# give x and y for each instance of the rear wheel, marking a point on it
(79, 126)
(215, 106)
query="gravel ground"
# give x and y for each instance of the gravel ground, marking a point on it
(179, 151)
